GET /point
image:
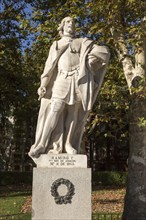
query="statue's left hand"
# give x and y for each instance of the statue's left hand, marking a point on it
(41, 92)
(94, 62)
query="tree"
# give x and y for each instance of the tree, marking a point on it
(107, 126)
(126, 22)
(17, 112)
(10, 76)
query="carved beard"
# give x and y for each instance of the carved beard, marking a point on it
(68, 31)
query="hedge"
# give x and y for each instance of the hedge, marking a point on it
(109, 178)
(15, 178)
(98, 178)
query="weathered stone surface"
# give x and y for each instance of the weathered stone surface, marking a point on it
(75, 181)
(62, 161)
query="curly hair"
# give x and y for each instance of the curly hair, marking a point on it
(61, 25)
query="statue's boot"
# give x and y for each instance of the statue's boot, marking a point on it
(69, 149)
(36, 151)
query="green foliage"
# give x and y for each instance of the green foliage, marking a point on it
(15, 178)
(11, 73)
(109, 179)
(107, 125)
(106, 216)
(142, 122)
(18, 86)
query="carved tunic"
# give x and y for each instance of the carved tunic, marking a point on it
(66, 86)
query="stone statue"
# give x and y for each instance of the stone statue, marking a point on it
(71, 80)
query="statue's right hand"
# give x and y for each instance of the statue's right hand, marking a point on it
(41, 92)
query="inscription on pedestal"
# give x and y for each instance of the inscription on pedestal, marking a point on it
(62, 161)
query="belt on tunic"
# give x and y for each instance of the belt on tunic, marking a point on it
(70, 72)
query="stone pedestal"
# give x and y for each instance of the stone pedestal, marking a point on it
(62, 193)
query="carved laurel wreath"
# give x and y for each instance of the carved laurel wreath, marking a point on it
(66, 198)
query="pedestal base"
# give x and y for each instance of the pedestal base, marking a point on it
(61, 194)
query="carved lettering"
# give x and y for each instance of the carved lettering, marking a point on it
(62, 161)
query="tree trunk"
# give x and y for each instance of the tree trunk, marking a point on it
(135, 199)
(135, 74)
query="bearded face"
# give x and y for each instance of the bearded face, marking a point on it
(69, 26)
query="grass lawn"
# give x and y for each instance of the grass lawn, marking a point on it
(15, 203)
(12, 199)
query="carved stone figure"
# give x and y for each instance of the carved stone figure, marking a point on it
(72, 77)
